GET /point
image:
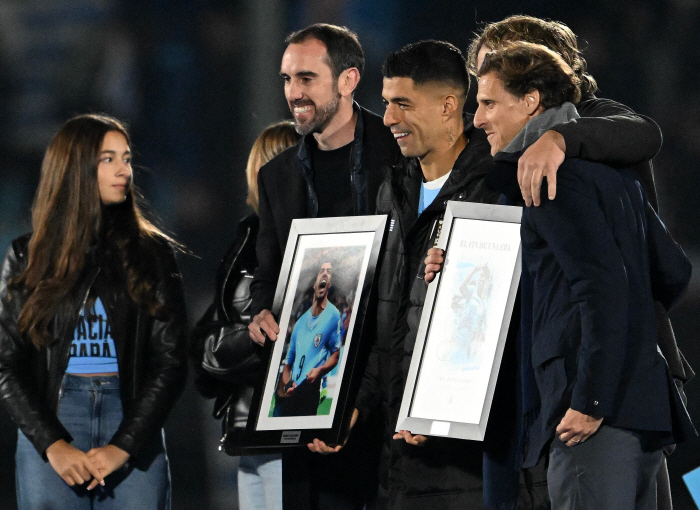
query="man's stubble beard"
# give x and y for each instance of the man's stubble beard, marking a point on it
(322, 116)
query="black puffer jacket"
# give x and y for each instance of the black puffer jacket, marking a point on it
(443, 477)
(152, 355)
(227, 362)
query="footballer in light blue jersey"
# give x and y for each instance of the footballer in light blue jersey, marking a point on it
(313, 341)
(314, 350)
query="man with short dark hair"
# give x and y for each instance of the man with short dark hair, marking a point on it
(445, 158)
(335, 170)
(343, 50)
(337, 167)
(594, 261)
(339, 49)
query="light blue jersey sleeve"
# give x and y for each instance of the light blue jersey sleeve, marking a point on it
(291, 353)
(313, 340)
(334, 335)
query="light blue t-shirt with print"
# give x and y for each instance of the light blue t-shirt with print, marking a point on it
(92, 350)
(430, 190)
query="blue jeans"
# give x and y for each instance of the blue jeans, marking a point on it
(260, 482)
(90, 408)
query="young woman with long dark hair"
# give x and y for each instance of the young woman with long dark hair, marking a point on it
(92, 332)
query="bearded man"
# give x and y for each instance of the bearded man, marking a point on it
(335, 170)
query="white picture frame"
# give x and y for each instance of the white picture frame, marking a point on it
(464, 324)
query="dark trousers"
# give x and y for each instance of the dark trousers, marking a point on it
(663, 487)
(346, 480)
(303, 401)
(614, 469)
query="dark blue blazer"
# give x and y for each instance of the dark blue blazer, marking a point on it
(594, 260)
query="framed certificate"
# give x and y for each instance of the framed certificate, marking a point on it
(317, 361)
(464, 324)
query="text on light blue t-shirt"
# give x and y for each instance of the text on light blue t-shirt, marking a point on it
(92, 350)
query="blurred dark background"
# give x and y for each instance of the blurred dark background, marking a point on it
(197, 81)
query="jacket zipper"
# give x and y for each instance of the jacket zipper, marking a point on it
(355, 205)
(66, 355)
(228, 274)
(222, 441)
(438, 223)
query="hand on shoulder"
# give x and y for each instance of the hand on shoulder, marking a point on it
(542, 159)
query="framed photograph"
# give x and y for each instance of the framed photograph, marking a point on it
(465, 322)
(318, 360)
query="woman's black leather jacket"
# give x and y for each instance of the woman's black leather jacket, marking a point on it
(227, 362)
(151, 353)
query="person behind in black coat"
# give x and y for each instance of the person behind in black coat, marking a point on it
(227, 363)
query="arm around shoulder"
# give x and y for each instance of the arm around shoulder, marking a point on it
(611, 133)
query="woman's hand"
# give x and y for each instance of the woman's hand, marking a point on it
(107, 459)
(74, 466)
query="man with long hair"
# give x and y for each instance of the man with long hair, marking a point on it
(594, 260)
(607, 131)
